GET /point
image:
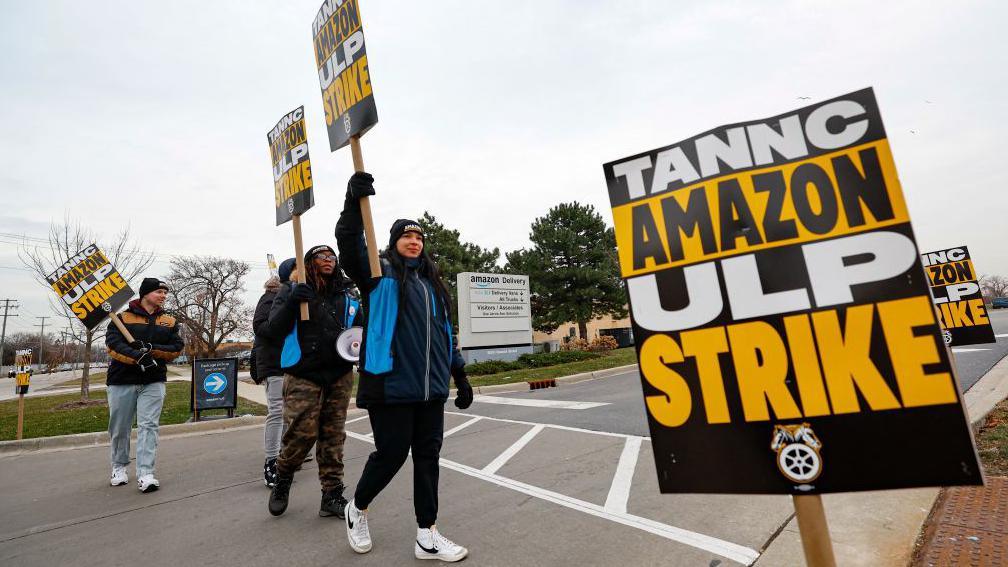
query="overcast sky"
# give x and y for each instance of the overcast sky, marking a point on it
(155, 113)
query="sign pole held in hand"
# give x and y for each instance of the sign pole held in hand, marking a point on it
(345, 79)
(299, 259)
(365, 209)
(292, 180)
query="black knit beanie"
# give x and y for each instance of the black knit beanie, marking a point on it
(151, 284)
(402, 226)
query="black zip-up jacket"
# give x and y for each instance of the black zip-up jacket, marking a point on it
(158, 328)
(417, 355)
(265, 350)
(316, 337)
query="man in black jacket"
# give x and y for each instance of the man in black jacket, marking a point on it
(265, 369)
(136, 381)
(317, 382)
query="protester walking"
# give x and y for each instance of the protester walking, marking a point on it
(317, 382)
(265, 370)
(136, 381)
(406, 360)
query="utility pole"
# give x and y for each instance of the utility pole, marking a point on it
(40, 341)
(3, 334)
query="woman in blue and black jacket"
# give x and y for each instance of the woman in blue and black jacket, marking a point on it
(405, 362)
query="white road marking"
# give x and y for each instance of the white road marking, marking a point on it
(552, 404)
(1001, 336)
(511, 451)
(964, 349)
(619, 491)
(365, 416)
(551, 426)
(726, 549)
(458, 428)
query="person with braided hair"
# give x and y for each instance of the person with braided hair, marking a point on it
(406, 359)
(317, 382)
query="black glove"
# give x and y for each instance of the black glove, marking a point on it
(300, 292)
(361, 185)
(464, 397)
(146, 362)
(141, 346)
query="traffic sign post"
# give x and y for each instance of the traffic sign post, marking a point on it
(214, 385)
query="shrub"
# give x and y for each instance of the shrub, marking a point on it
(574, 344)
(553, 358)
(603, 343)
(491, 367)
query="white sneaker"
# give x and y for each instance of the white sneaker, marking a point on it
(147, 483)
(357, 530)
(430, 544)
(119, 476)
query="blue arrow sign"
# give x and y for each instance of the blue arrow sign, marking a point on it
(215, 383)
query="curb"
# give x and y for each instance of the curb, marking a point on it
(99, 438)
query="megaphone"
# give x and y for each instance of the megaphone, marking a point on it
(348, 344)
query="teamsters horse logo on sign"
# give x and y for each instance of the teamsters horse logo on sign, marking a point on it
(797, 450)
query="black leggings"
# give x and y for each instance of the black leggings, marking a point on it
(398, 428)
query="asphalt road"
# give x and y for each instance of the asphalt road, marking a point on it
(974, 361)
(563, 476)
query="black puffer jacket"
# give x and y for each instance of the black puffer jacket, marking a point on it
(158, 328)
(327, 318)
(265, 350)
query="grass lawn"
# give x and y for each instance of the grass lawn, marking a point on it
(992, 442)
(42, 419)
(618, 357)
(93, 378)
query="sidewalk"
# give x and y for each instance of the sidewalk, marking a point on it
(880, 528)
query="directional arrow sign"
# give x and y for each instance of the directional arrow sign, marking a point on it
(214, 383)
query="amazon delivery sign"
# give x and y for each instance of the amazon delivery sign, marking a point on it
(215, 384)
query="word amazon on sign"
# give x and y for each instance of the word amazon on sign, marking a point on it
(785, 332)
(344, 77)
(90, 286)
(292, 176)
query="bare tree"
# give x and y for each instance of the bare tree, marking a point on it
(43, 256)
(206, 296)
(993, 286)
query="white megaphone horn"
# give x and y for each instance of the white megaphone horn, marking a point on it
(348, 344)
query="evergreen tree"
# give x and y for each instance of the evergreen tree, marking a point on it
(573, 269)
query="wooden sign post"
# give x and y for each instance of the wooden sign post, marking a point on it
(299, 260)
(365, 208)
(814, 530)
(22, 372)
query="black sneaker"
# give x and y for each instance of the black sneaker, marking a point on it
(279, 495)
(270, 472)
(333, 503)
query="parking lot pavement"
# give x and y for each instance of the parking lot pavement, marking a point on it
(514, 492)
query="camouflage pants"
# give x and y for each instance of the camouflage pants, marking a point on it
(315, 414)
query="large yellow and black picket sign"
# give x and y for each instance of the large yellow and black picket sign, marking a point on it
(22, 370)
(957, 296)
(785, 332)
(90, 286)
(292, 176)
(341, 59)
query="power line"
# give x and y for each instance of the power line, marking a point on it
(22, 240)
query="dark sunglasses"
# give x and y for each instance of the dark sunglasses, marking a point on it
(325, 257)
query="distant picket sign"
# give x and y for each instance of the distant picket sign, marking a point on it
(344, 76)
(90, 286)
(292, 175)
(956, 294)
(785, 332)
